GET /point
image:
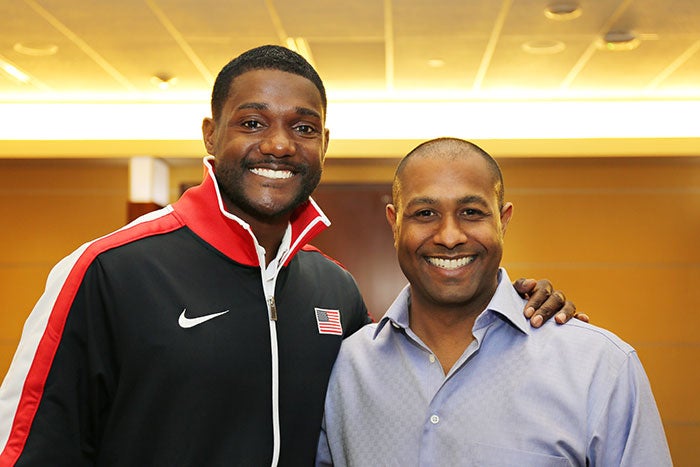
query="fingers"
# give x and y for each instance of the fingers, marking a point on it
(545, 303)
(582, 317)
(525, 286)
(567, 312)
(539, 294)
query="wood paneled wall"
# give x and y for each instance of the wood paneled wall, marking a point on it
(619, 236)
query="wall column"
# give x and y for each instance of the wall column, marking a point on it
(149, 182)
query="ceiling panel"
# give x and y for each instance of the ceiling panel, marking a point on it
(629, 70)
(217, 31)
(459, 58)
(350, 65)
(687, 76)
(311, 18)
(672, 17)
(542, 69)
(419, 18)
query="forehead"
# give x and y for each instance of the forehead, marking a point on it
(448, 177)
(269, 86)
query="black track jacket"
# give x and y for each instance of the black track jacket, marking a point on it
(154, 346)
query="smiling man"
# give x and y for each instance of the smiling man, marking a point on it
(202, 334)
(453, 374)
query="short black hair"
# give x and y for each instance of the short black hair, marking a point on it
(455, 147)
(265, 57)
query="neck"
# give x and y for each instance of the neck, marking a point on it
(268, 232)
(270, 238)
(447, 332)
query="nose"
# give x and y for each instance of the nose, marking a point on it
(450, 233)
(277, 142)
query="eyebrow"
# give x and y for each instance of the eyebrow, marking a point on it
(473, 199)
(424, 200)
(262, 106)
(252, 105)
(431, 201)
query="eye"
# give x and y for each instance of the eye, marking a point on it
(424, 213)
(473, 213)
(306, 129)
(252, 124)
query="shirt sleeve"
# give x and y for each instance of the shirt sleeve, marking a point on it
(55, 390)
(629, 431)
(323, 453)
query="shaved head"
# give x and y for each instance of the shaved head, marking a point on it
(448, 149)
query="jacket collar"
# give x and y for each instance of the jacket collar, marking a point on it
(201, 208)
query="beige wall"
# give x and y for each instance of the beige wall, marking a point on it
(619, 236)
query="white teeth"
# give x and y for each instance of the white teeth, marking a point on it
(269, 173)
(451, 263)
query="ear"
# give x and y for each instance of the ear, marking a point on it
(208, 132)
(506, 214)
(391, 219)
(326, 139)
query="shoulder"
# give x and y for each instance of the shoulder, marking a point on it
(360, 345)
(589, 333)
(311, 268)
(149, 225)
(588, 345)
(315, 253)
(321, 265)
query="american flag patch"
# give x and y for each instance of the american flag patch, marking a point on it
(328, 322)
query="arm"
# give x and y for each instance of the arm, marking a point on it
(46, 398)
(323, 453)
(628, 431)
(544, 302)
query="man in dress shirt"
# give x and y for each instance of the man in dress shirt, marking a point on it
(453, 374)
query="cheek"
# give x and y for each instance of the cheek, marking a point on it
(487, 234)
(314, 157)
(410, 240)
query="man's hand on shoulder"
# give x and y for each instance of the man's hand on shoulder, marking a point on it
(545, 302)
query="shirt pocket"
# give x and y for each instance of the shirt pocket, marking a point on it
(485, 455)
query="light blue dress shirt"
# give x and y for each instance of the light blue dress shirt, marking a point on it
(518, 396)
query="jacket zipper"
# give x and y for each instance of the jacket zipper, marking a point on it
(273, 308)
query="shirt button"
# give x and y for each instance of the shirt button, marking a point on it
(434, 419)
(431, 358)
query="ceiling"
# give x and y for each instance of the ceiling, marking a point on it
(409, 54)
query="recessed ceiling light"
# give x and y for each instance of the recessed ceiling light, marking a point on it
(619, 41)
(436, 63)
(563, 11)
(163, 80)
(543, 47)
(35, 50)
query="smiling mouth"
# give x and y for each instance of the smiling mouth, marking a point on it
(273, 174)
(455, 263)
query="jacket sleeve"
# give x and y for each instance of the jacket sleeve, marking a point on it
(55, 392)
(629, 431)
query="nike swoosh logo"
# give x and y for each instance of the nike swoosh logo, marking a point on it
(186, 322)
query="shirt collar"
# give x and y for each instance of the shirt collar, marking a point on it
(505, 303)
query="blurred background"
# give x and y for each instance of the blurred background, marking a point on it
(590, 107)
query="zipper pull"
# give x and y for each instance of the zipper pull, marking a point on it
(273, 308)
